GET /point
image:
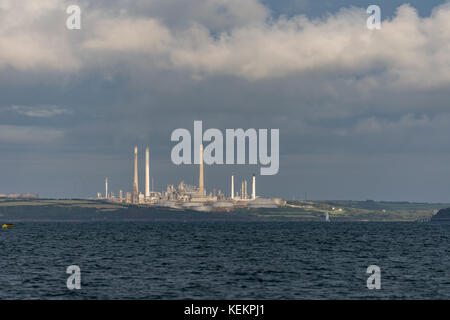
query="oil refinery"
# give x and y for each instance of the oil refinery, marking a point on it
(189, 197)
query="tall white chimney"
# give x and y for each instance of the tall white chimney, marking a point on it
(254, 188)
(135, 181)
(245, 190)
(201, 186)
(232, 186)
(147, 173)
(106, 188)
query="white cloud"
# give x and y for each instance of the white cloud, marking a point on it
(406, 122)
(28, 134)
(40, 111)
(231, 38)
(31, 38)
(128, 35)
(409, 50)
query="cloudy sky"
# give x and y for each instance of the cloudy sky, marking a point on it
(363, 114)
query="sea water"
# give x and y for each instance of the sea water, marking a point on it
(225, 260)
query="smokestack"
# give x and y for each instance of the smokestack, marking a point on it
(242, 190)
(254, 188)
(106, 188)
(232, 186)
(245, 189)
(201, 187)
(147, 173)
(136, 182)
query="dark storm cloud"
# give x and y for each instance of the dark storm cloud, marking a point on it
(368, 120)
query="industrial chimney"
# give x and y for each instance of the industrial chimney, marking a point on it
(201, 186)
(136, 182)
(245, 190)
(232, 186)
(106, 188)
(254, 188)
(147, 173)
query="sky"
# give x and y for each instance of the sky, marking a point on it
(363, 114)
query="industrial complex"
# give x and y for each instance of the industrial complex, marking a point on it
(186, 196)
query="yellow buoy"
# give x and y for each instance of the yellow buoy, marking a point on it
(7, 225)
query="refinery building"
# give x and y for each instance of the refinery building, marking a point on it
(184, 196)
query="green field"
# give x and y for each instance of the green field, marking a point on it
(370, 210)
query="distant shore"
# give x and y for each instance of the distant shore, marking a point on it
(20, 210)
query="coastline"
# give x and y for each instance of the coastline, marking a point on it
(78, 210)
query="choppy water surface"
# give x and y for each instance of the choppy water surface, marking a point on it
(225, 260)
